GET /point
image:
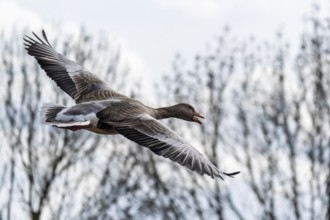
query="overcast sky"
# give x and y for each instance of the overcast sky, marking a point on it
(152, 31)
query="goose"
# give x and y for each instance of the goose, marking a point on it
(102, 110)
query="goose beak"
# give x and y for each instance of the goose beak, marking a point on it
(196, 117)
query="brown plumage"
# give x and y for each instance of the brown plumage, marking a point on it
(101, 110)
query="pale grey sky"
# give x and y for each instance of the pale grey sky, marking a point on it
(152, 31)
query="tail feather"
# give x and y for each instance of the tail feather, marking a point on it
(48, 112)
(51, 114)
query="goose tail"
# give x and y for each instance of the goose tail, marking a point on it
(48, 113)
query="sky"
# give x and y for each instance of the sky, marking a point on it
(151, 32)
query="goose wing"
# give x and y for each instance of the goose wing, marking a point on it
(70, 76)
(148, 132)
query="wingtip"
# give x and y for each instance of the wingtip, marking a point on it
(232, 175)
(34, 34)
(45, 37)
(220, 177)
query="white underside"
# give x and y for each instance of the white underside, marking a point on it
(69, 124)
(73, 120)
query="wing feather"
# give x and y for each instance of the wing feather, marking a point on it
(148, 132)
(70, 76)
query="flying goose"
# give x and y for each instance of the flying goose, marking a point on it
(101, 110)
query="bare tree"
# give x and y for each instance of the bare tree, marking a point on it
(271, 115)
(267, 115)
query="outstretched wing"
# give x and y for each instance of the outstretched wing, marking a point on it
(70, 76)
(148, 132)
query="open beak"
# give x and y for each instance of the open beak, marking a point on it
(196, 117)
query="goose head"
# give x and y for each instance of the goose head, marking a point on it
(186, 112)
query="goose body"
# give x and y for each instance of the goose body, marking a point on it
(101, 110)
